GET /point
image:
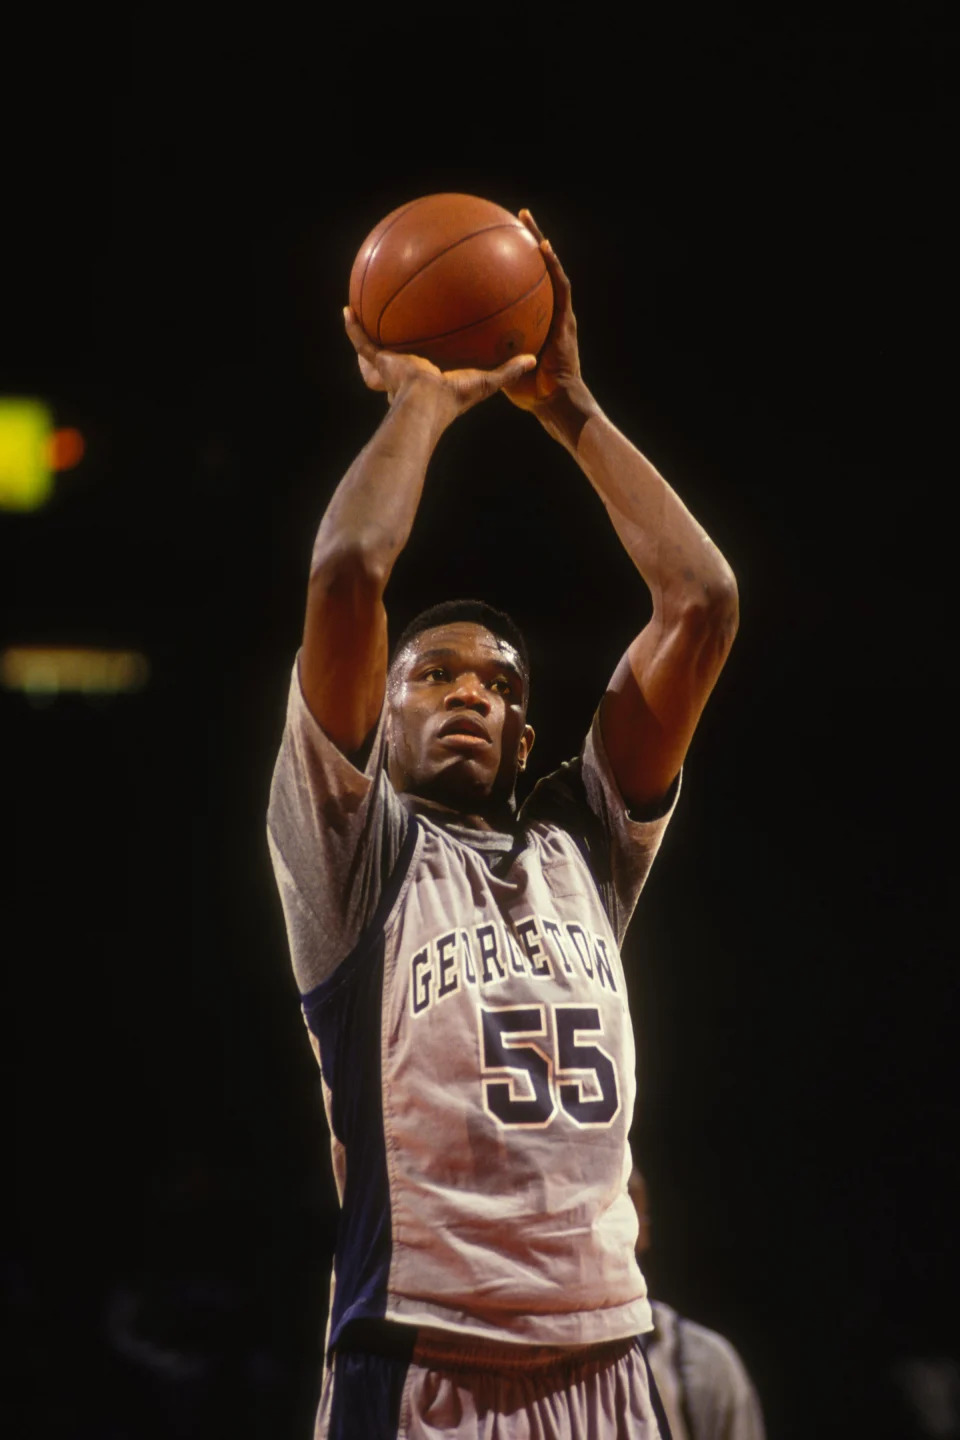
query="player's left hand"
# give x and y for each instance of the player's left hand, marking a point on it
(460, 390)
(558, 366)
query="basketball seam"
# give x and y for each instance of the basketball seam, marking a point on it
(428, 339)
(483, 229)
(363, 278)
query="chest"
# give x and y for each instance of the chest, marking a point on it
(480, 966)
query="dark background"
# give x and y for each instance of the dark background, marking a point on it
(757, 222)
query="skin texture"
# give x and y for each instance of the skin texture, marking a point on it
(343, 661)
(637, 1190)
(456, 720)
(657, 693)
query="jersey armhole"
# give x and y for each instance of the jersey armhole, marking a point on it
(314, 1000)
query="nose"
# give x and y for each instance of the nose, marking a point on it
(467, 694)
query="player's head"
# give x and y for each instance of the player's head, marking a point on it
(637, 1188)
(457, 698)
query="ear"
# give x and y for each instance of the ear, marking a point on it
(525, 746)
(389, 721)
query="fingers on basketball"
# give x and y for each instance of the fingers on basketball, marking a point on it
(488, 382)
(510, 372)
(526, 218)
(358, 337)
(558, 276)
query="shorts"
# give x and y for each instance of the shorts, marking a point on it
(393, 1382)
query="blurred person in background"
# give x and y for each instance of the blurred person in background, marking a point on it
(706, 1391)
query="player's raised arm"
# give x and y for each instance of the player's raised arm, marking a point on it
(343, 662)
(658, 691)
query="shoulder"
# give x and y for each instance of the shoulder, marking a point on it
(706, 1341)
(335, 832)
(708, 1355)
(316, 789)
(559, 799)
(582, 798)
(664, 1316)
(584, 790)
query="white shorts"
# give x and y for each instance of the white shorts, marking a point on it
(452, 1387)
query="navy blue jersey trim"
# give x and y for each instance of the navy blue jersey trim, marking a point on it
(350, 1042)
(314, 1000)
(655, 1398)
(345, 1012)
(367, 1396)
(348, 1029)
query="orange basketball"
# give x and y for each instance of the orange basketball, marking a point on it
(458, 280)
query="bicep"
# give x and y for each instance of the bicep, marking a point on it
(656, 697)
(343, 659)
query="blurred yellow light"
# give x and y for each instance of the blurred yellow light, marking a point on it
(26, 478)
(44, 670)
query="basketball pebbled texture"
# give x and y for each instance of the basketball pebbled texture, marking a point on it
(454, 278)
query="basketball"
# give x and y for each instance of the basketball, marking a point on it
(455, 279)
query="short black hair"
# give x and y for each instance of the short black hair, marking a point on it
(475, 612)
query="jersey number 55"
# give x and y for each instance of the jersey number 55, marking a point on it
(526, 1079)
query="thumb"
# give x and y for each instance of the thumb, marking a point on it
(371, 374)
(511, 371)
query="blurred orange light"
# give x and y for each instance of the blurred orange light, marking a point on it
(66, 448)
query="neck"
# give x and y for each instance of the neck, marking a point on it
(490, 814)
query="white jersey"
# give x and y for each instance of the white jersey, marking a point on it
(466, 1001)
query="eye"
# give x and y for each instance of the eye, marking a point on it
(503, 687)
(436, 672)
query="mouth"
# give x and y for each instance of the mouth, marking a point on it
(466, 730)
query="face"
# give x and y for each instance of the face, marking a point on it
(456, 717)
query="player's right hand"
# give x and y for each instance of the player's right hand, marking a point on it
(386, 370)
(558, 367)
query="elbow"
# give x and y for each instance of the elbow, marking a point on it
(725, 602)
(709, 609)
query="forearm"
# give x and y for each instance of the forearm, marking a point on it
(679, 562)
(369, 518)
(343, 662)
(657, 693)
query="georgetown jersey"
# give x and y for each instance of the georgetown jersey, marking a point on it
(465, 998)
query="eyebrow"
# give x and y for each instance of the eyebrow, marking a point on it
(442, 652)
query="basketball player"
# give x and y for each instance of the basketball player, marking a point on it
(458, 962)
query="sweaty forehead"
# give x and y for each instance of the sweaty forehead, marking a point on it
(462, 642)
